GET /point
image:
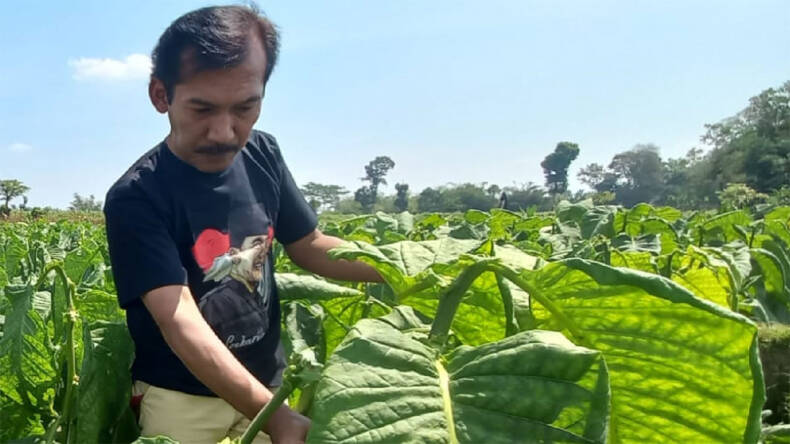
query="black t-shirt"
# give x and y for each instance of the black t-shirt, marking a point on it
(168, 223)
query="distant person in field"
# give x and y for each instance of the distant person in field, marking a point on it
(503, 200)
(190, 227)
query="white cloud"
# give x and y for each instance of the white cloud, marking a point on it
(134, 66)
(19, 147)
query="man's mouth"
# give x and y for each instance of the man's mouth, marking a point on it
(217, 150)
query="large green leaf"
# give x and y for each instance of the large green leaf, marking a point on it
(779, 230)
(779, 213)
(343, 306)
(704, 275)
(667, 235)
(383, 384)
(12, 250)
(85, 265)
(25, 358)
(105, 381)
(663, 347)
(97, 305)
(416, 278)
(722, 227)
(17, 420)
(294, 287)
(669, 214)
(649, 243)
(398, 263)
(736, 256)
(598, 221)
(636, 260)
(573, 212)
(772, 273)
(304, 330)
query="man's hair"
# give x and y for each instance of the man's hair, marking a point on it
(211, 38)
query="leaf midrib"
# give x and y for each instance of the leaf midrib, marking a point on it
(444, 386)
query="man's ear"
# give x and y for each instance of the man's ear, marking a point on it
(158, 95)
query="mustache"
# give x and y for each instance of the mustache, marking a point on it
(217, 149)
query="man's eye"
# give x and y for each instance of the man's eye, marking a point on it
(202, 110)
(244, 109)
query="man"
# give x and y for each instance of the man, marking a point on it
(190, 225)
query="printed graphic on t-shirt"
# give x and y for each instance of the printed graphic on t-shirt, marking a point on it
(238, 307)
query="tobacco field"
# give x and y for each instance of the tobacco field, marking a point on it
(590, 324)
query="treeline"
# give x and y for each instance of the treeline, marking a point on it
(748, 163)
(750, 155)
(12, 190)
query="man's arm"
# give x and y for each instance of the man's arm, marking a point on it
(194, 342)
(310, 253)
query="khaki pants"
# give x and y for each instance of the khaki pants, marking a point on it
(189, 419)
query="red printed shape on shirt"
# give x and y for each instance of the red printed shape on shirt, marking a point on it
(210, 244)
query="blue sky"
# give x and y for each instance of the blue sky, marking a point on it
(452, 91)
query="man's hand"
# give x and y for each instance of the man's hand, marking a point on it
(310, 253)
(287, 427)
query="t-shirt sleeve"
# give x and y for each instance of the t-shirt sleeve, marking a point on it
(144, 255)
(296, 218)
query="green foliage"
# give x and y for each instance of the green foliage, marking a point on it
(430, 200)
(555, 166)
(54, 283)
(80, 203)
(366, 197)
(10, 189)
(622, 325)
(402, 199)
(780, 197)
(634, 319)
(323, 197)
(737, 196)
(375, 172)
(634, 176)
(385, 384)
(526, 196)
(753, 147)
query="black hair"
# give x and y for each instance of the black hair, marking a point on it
(211, 38)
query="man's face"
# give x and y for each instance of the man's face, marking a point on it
(212, 112)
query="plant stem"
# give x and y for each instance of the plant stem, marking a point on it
(450, 298)
(511, 326)
(71, 360)
(267, 411)
(578, 336)
(428, 282)
(47, 269)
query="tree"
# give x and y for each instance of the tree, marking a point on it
(494, 191)
(366, 196)
(753, 146)
(429, 200)
(375, 171)
(640, 174)
(680, 187)
(402, 198)
(556, 164)
(467, 196)
(636, 175)
(80, 203)
(598, 178)
(737, 196)
(323, 197)
(10, 189)
(526, 196)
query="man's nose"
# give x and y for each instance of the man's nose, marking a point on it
(221, 129)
